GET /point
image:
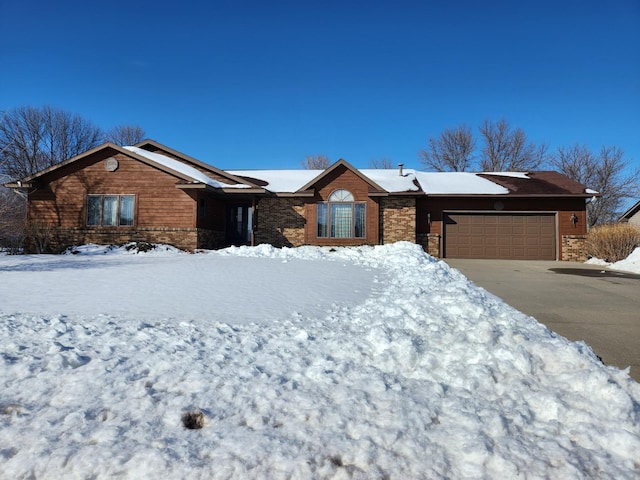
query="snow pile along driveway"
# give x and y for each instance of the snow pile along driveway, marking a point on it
(631, 264)
(415, 374)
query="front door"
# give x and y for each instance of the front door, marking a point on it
(239, 224)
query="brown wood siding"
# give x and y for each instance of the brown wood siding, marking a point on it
(342, 178)
(62, 201)
(516, 236)
(214, 209)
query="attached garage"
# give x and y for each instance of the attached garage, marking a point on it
(516, 236)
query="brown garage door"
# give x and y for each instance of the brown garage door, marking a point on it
(506, 236)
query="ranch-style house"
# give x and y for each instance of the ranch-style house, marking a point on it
(150, 192)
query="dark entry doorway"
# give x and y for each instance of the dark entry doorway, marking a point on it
(239, 224)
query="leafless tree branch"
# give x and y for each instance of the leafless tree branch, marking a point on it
(452, 150)
(124, 135)
(381, 163)
(32, 139)
(606, 172)
(316, 162)
(508, 150)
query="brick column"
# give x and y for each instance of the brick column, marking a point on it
(574, 248)
(398, 219)
(433, 245)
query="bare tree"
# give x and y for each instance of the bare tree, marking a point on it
(452, 150)
(316, 162)
(12, 217)
(605, 172)
(381, 163)
(32, 139)
(505, 149)
(124, 135)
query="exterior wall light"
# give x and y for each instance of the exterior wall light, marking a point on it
(573, 218)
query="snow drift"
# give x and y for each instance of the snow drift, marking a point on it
(410, 371)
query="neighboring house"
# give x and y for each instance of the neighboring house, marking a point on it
(149, 192)
(632, 215)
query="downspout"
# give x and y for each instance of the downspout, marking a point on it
(254, 206)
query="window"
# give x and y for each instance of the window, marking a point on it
(341, 216)
(110, 210)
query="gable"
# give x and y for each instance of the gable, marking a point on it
(107, 169)
(343, 178)
(632, 215)
(337, 170)
(183, 172)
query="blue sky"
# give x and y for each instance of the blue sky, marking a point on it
(248, 84)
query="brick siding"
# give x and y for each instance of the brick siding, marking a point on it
(280, 222)
(398, 219)
(574, 248)
(210, 239)
(183, 238)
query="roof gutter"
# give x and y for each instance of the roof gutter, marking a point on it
(514, 195)
(205, 186)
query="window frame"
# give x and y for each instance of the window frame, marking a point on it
(326, 216)
(120, 216)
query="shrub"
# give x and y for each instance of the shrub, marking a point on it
(613, 242)
(140, 247)
(40, 235)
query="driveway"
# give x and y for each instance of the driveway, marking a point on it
(578, 301)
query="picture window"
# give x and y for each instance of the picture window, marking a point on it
(341, 216)
(110, 210)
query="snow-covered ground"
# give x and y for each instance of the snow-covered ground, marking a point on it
(372, 362)
(630, 264)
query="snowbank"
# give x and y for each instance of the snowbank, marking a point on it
(630, 264)
(416, 374)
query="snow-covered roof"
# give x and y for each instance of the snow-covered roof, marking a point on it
(508, 174)
(177, 166)
(288, 181)
(391, 180)
(458, 183)
(279, 181)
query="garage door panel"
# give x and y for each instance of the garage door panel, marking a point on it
(500, 235)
